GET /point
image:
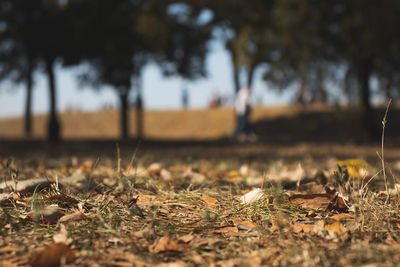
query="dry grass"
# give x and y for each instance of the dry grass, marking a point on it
(179, 124)
(93, 208)
(127, 211)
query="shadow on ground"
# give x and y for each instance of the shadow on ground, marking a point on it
(336, 125)
(307, 133)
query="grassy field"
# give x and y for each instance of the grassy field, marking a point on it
(168, 125)
(311, 192)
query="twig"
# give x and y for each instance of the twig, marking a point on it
(365, 186)
(118, 160)
(382, 150)
(134, 154)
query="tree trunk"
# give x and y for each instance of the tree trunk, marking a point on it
(28, 102)
(250, 76)
(124, 113)
(139, 116)
(235, 73)
(364, 74)
(139, 107)
(53, 124)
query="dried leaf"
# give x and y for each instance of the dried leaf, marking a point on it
(252, 196)
(5, 199)
(166, 175)
(145, 200)
(302, 228)
(311, 188)
(339, 204)
(244, 170)
(186, 238)
(209, 200)
(55, 254)
(16, 262)
(173, 264)
(311, 201)
(356, 168)
(247, 226)
(73, 217)
(167, 244)
(8, 249)
(154, 168)
(51, 214)
(335, 227)
(341, 216)
(194, 177)
(62, 236)
(86, 167)
(63, 198)
(26, 186)
(228, 229)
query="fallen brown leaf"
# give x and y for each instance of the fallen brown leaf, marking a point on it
(335, 227)
(246, 226)
(186, 238)
(172, 264)
(54, 255)
(311, 201)
(51, 214)
(338, 204)
(5, 199)
(86, 166)
(63, 198)
(228, 229)
(15, 262)
(167, 244)
(154, 168)
(327, 201)
(211, 202)
(73, 217)
(341, 216)
(302, 228)
(311, 188)
(8, 249)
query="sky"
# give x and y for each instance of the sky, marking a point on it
(160, 93)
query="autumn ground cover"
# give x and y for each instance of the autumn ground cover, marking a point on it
(205, 203)
(166, 206)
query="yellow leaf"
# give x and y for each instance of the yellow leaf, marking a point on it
(233, 173)
(356, 168)
(336, 227)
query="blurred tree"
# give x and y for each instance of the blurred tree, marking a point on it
(109, 47)
(248, 33)
(360, 36)
(35, 32)
(17, 60)
(117, 49)
(368, 41)
(306, 52)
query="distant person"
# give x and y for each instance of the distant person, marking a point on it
(303, 94)
(185, 98)
(243, 131)
(215, 101)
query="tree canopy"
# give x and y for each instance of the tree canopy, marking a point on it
(345, 42)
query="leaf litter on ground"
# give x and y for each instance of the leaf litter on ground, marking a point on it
(199, 214)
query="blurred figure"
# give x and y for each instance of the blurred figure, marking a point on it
(215, 101)
(243, 131)
(303, 94)
(185, 97)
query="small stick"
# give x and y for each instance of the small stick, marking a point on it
(382, 150)
(118, 160)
